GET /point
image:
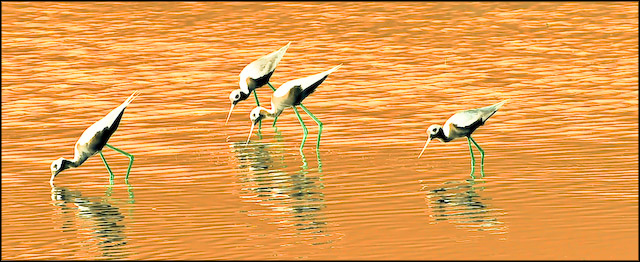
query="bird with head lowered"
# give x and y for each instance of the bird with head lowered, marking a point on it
(463, 124)
(92, 141)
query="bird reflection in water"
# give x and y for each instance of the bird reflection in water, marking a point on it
(460, 203)
(278, 137)
(106, 219)
(294, 202)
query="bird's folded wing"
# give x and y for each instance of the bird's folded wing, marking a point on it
(265, 64)
(466, 119)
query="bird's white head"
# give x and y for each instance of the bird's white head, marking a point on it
(235, 97)
(256, 115)
(58, 166)
(434, 131)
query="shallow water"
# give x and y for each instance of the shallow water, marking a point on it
(561, 175)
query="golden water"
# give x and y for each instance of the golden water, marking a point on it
(561, 156)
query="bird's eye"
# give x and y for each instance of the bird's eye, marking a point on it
(55, 166)
(237, 96)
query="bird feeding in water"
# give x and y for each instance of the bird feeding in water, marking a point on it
(291, 94)
(462, 124)
(92, 141)
(256, 74)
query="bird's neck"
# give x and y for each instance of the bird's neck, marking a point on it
(272, 113)
(77, 160)
(442, 136)
(446, 139)
(66, 164)
(243, 95)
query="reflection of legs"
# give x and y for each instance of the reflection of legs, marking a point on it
(319, 161)
(130, 190)
(130, 156)
(304, 161)
(317, 122)
(481, 154)
(473, 159)
(304, 128)
(276, 118)
(278, 135)
(108, 169)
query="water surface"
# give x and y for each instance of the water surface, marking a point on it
(561, 156)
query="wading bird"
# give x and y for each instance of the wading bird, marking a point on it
(256, 74)
(291, 94)
(462, 124)
(93, 139)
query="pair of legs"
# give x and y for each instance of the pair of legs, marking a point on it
(473, 159)
(111, 176)
(304, 127)
(305, 165)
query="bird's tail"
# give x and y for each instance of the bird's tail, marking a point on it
(498, 105)
(332, 70)
(317, 78)
(280, 52)
(284, 48)
(488, 111)
(131, 98)
(278, 56)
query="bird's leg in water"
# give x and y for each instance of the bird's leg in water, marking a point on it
(130, 156)
(255, 94)
(317, 122)
(275, 118)
(108, 169)
(304, 128)
(481, 154)
(473, 159)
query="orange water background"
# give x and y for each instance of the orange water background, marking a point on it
(561, 156)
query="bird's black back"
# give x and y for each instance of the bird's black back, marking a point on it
(102, 137)
(255, 83)
(307, 91)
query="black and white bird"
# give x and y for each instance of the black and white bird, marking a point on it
(291, 94)
(462, 124)
(256, 74)
(93, 139)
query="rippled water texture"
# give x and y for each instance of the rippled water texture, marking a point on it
(561, 155)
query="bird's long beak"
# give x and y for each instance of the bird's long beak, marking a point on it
(53, 175)
(250, 132)
(425, 146)
(230, 110)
